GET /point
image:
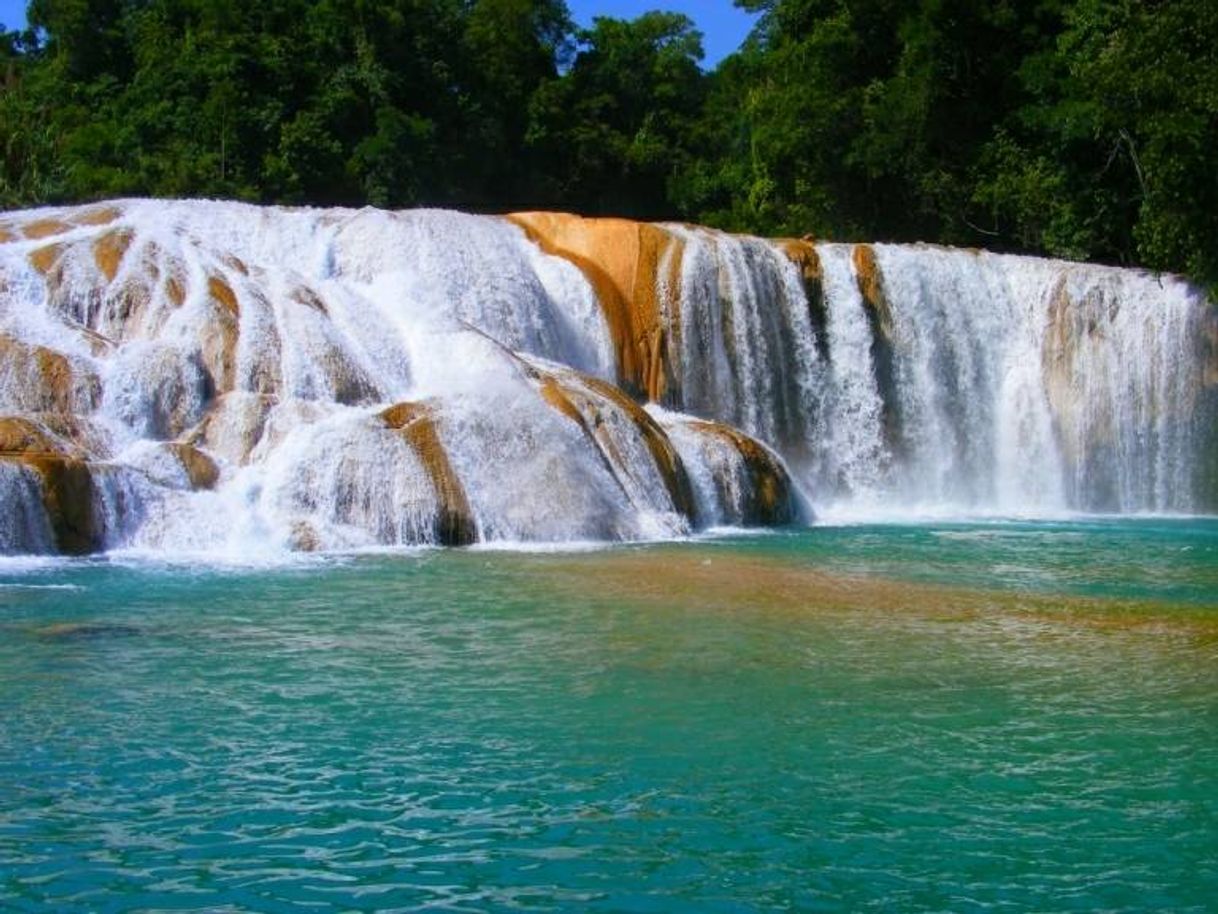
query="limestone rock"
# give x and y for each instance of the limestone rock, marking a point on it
(739, 481)
(200, 469)
(416, 423)
(44, 228)
(36, 379)
(871, 287)
(108, 251)
(67, 482)
(635, 268)
(591, 404)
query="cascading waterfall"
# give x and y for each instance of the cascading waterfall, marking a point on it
(218, 378)
(1032, 386)
(747, 354)
(926, 380)
(213, 377)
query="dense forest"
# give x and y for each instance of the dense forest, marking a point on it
(1077, 128)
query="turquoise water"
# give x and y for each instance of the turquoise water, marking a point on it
(1007, 717)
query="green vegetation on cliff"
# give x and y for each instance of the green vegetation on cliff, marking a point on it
(1077, 128)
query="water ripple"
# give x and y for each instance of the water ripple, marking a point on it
(485, 732)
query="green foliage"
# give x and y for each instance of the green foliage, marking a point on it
(393, 102)
(30, 170)
(613, 130)
(1078, 128)
(513, 50)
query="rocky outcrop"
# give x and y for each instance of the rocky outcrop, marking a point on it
(37, 379)
(44, 228)
(454, 523)
(600, 410)
(635, 269)
(108, 252)
(66, 482)
(767, 498)
(739, 481)
(201, 471)
(1071, 326)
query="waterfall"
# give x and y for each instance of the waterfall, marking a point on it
(24, 527)
(747, 343)
(918, 379)
(233, 380)
(1028, 386)
(221, 378)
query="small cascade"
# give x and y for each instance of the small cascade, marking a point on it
(850, 458)
(735, 480)
(747, 344)
(633, 448)
(25, 527)
(974, 428)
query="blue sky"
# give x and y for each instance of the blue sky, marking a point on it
(12, 13)
(723, 26)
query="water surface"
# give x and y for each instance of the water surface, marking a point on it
(1000, 716)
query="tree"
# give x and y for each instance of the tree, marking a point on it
(511, 48)
(615, 129)
(29, 170)
(1110, 157)
(1078, 128)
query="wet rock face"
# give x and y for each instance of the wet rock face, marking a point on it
(37, 379)
(609, 420)
(65, 482)
(20, 436)
(454, 523)
(768, 496)
(201, 470)
(635, 269)
(738, 482)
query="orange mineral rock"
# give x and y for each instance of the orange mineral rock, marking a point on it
(635, 269)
